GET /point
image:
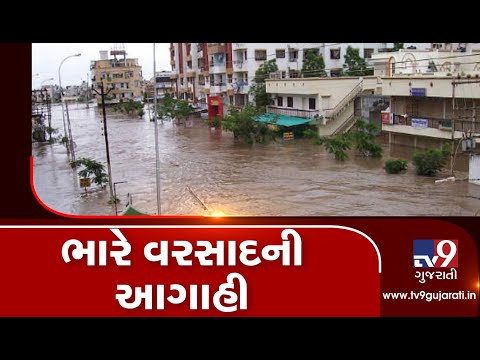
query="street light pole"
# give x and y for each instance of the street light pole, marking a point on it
(41, 84)
(110, 180)
(157, 158)
(70, 149)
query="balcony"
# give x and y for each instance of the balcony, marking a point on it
(306, 114)
(218, 88)
(216, 48)
(172, 62)
(239, 65)
(431, 127)
(188, 58)
(174, 77)
(191, 73)
(217, 68)
(239, 46)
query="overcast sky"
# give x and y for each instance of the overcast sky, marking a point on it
(46, 59)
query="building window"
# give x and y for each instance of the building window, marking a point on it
(230, 98)
(436, 46)
(260, 55)
(229, 78)
(311, 103)
(290, 101)
(212, 78)
(280, 53)
(245, 55)
(367, 53)
(279, 100)
(292, 55)
(335, 54)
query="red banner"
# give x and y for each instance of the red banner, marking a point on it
(233, 271)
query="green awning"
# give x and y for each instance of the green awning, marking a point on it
(131, 211)
(283, 120)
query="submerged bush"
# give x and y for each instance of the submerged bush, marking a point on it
(395, 166)
(430, 161)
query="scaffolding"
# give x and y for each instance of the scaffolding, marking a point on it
(41, 116)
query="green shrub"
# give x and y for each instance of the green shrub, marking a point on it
(310, 134)
(430, 161)
(395, 166)
(337, 145)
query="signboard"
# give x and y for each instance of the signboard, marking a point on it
(85, 182)
(288, 136)
(387, 117)
(419, 123)
(418, 92)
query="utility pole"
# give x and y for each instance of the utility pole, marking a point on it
(86, 93)
(455, 83)
(110, 180)
(452, 150)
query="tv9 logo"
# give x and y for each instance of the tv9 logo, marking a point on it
(435, 253)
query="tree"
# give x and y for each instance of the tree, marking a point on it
(337, 145)
(430, 161)
(397, 46)
(129, 107)
(91, 169)
(182, 110)
(354, 64)
(364, 138)
(262, 99)
(313, 65)
(244, 126)
(166, 107)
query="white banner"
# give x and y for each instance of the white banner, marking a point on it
(419, 123)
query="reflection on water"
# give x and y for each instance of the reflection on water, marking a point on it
(278, 179)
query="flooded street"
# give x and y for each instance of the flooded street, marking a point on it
(278, 179)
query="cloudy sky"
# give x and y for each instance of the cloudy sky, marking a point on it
(46, 59)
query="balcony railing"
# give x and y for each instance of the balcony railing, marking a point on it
(441, 124)
(218, 88)
(217, 68)
(216, 48)
(239, 46)
(239, 65)
(306, 114)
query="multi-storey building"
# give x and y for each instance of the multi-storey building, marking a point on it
(433, 96)
(223, 72)
(119, 74)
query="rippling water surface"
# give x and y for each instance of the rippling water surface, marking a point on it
(278, 179)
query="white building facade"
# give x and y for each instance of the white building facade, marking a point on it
(227, 70)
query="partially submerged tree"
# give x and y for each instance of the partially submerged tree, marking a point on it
(337, 145)
(355, 65)
(430, 161)
(262, 98)
(129, 107)
(182, 110)
(364, 136)
(92, 169)
(244, 126)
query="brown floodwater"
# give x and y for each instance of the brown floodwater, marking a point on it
(295, 178)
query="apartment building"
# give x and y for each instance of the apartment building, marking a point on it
(119, 74)
(222, 73)
(408, 62)
(432, 97)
